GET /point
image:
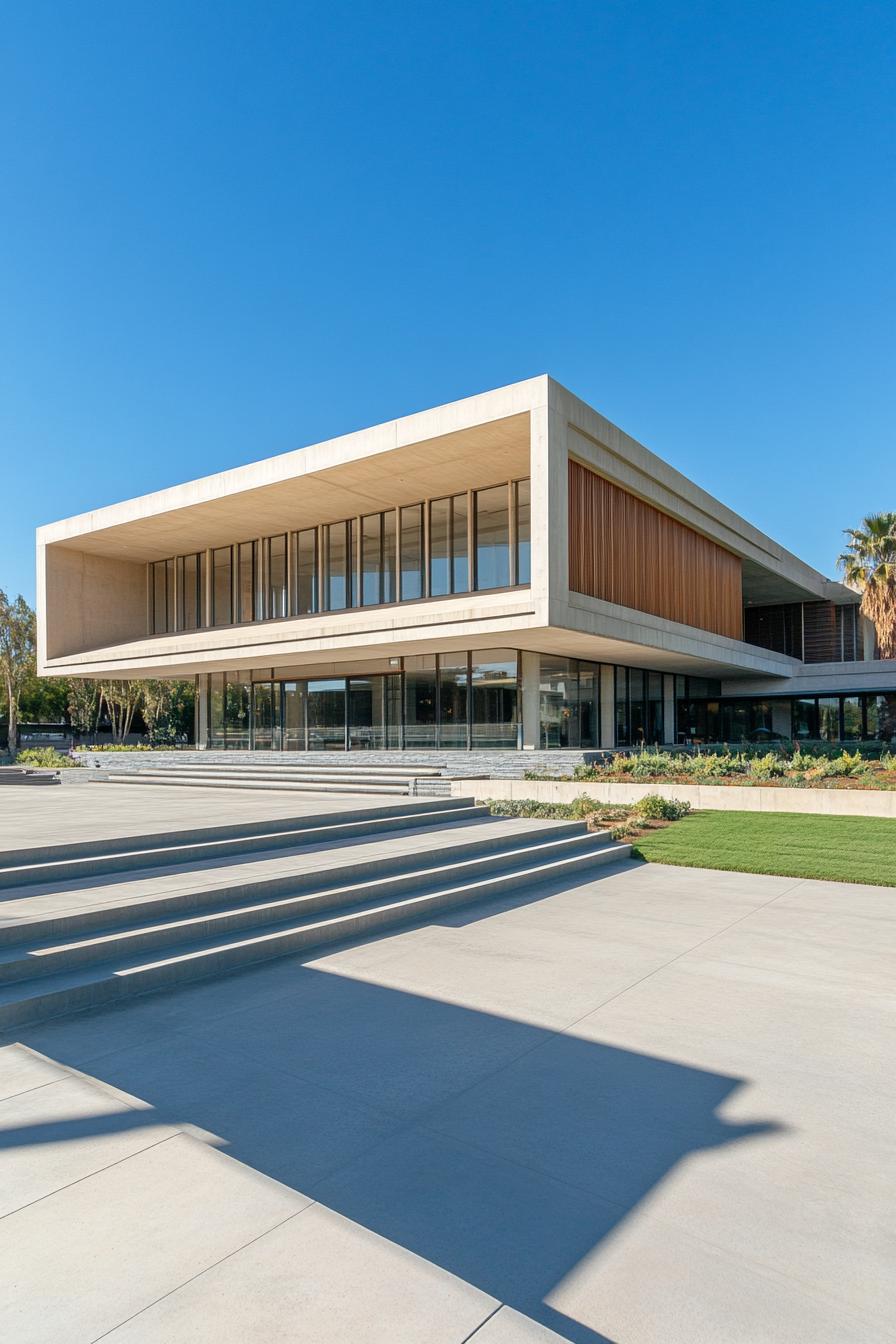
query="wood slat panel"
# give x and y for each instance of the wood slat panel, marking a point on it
(623, 550)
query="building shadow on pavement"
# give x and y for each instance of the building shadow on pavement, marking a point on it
(501, 1151)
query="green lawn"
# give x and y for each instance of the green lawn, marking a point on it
(841, 849)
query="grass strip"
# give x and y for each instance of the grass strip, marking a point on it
(786, 844)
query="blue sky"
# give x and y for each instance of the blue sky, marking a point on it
(227, 230)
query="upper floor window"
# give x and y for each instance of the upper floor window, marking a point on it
(476, 539)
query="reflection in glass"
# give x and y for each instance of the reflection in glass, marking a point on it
(191, 572)
(372, 560)
(306, 576)
(522, 492)
(453, 698)
(852, 717)
(420, 701)
(440, 547)
(236, 714)
(411, 552)
(222, 589)
(494, 698)
(326, 715)
(216, 710)
(336, 552)
(589, 705)
(829, 718)
(559, 702)
(276, 584)
(390, 558)
(804, 720)
(374, 710)
(492, 538)
(266, 716)
(460, 544)
(622, 720)
(880, 713)
(246, 581)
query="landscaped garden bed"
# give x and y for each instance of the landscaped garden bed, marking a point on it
(623, 821)
(785, 767)
(787, 844)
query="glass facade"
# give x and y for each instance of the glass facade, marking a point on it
(808, 718)
(569, 703)
(478, 539)
(492, 516)
(461, 701)
(640, 709)
(451, 701)
(277, 589)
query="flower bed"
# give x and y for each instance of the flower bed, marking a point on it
(784, 769)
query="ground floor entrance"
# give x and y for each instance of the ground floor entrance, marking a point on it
(468, 700)
(452, 702)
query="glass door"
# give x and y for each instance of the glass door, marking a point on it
(266, 716)
(326, 714)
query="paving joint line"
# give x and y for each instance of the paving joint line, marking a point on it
(69, 1185)
(207, 1268)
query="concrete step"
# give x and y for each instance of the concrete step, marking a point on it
(14, 774)
(60, 863)
(117, 977)
(183, 890)
(360, 770)
(182, 779)
(140, 934)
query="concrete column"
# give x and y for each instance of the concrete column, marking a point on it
(668, 708)
(607, 706)
(530, 671)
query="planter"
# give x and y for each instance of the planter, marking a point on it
(713, 797)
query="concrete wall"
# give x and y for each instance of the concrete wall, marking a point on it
(90, 601)
(713, 797)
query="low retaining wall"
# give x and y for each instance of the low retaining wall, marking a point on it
(715, 797)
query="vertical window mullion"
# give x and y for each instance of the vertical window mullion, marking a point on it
(511, 507)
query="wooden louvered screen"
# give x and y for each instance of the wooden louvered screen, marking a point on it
(625, 551)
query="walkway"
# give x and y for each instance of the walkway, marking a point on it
(649, 1109)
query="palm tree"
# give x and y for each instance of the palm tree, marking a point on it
(869, 566)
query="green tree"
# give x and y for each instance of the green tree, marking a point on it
(869, 565)
(156, 708)
(43, 699)
(17, 645)
(122, 699)
(83, 705)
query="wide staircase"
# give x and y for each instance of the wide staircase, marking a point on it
(94, 923)
(344, 776)
(422, 773)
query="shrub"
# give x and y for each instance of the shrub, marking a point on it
(119, 746)
(656, 808)
(768, 766)
(848, 765)
(47, 758)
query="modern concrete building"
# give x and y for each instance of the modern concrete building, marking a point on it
(507, 571)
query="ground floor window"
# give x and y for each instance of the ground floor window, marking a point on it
(640, 719)
(569, 702)
(813, 718)
(454, 701)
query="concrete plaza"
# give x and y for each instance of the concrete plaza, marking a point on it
(652, 1107)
